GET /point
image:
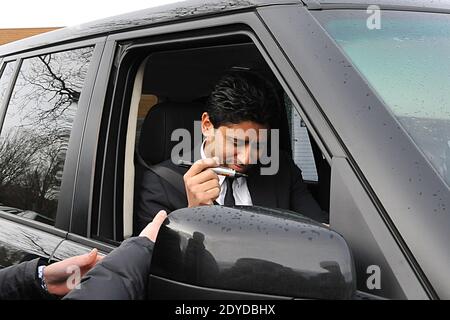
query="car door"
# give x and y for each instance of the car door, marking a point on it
(44, 95)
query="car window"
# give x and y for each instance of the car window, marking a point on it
(407, 62)
(165, 99)
(35, 134)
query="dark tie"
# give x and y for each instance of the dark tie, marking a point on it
(229, 198)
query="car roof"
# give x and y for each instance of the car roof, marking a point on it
(195, 8)
(137, 19)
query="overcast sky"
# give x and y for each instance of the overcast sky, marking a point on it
(61, 13)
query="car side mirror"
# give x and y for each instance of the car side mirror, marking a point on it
(252, 250)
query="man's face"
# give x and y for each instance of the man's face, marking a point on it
(238, 146)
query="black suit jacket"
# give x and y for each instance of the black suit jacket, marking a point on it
(285, 190)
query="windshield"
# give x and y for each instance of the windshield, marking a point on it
(407, 62)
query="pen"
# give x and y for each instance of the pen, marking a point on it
(219, 170)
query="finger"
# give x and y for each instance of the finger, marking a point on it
(209, 196)
(152, 229)
(201, 165)
(80, 260)
(204, 176)
(93, 254)
(92, 257)
(205, 186)
(213, 193)
(156, 224)
(86, 260)
(159, 218)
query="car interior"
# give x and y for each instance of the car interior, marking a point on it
(170, 91)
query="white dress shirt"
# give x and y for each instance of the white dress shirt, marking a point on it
(240, 189)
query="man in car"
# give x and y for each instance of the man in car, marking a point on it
(240, 104)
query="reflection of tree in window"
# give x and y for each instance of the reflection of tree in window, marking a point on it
(6, 75)
(36, 131)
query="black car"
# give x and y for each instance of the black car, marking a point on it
(365, 108)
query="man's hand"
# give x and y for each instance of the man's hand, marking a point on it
(202, 184)
(57, 274)
(151, 230)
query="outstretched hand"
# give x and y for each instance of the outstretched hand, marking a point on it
(57, 275)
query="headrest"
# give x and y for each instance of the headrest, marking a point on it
(155, 143)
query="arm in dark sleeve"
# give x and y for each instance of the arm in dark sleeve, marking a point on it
(20, 282)
(121, 275)
(301, 199)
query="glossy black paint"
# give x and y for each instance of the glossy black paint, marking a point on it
(20, 242)
(254, 249)
(164, 289)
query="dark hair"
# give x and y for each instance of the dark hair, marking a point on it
(243, 96)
